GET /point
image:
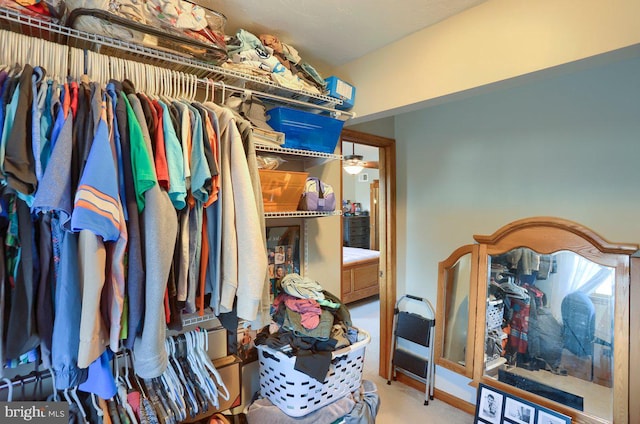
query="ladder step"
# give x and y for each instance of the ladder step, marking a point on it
(414, 327)
(410, 362)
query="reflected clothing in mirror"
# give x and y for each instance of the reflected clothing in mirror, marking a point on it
(548, 322)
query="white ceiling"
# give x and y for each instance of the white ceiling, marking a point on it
(330, 33)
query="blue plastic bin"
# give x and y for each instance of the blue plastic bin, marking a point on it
(305, 130)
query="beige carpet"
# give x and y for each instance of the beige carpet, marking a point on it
(398, 402)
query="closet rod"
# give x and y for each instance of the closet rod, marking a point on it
(32, 377)
(36, 375)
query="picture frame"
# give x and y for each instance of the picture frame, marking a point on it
(283, 253)
(494, 406)
(489, 405)
(519, 412)
(247, 350)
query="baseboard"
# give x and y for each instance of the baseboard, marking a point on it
(467, 407)
(445, 397)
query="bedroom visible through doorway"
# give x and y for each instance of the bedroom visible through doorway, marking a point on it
(377, 199)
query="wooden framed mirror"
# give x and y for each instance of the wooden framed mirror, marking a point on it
(456, 309)
(548, 317)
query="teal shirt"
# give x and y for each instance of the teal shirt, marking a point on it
(144, 177)
(175, 162)
(200, 172)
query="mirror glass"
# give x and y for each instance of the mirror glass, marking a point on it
(456, 310)
(549, 327)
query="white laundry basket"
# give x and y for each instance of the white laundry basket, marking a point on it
(298, 394)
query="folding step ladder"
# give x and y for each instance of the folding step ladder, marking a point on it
(416, 328)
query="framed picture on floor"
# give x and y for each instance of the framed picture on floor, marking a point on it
(489, 406)
(494, 406)
(519, 412)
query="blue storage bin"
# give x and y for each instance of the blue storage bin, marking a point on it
(341, 90)
(305, 130)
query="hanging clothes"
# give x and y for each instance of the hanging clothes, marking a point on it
(118, 203)
(241, 233)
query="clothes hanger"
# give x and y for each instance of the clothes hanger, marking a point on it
(202, 350)
(31, 53)
(54, 395)
(179, 84)
(165, 85)
(140, 83)
(22, 393)
(202, 398)
(127, 355)
(62, 63)
(170, 381)
(121, 390)
(196, 84)
(206, 90)
(74, 396)
(222, 100)
(177, 79)
(37, 382)
(10, 388)
(169, 377)
(202, 360)
(188, 81)
(152, 83)
(97, 408)
(205, 383)
(194, 407)
(65, 393)
(79, 64)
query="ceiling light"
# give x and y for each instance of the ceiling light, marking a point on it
(353, 164)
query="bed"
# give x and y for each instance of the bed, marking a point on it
(360, 268)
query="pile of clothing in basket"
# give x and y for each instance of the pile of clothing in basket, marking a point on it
(316, 350)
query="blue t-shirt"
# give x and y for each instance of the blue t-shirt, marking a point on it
(96, 206)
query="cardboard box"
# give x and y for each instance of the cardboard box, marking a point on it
(581, 367)
(602, 365)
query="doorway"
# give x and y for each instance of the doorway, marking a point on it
(386, 230)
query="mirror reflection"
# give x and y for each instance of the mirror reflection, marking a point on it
(456, 310)
(549, 327)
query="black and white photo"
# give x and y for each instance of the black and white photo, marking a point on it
(495, 406)
(490, 407)
(547, 418)
(519, 412)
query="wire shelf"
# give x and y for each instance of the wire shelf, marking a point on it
(197, 319)
(296, 152)
(15, 21)
(301, 214)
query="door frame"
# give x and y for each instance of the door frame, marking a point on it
(387, 275)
